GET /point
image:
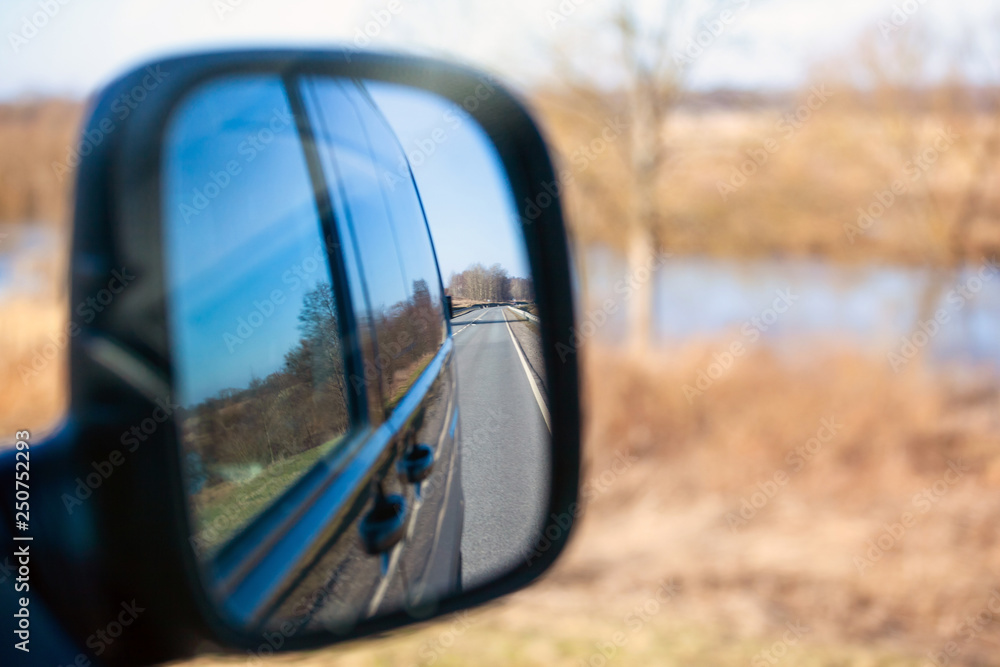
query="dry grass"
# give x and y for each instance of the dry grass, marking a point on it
(667, 515)
(796, 557)
(462, 302)
(33, 368)
(35, 172)
(665, 519)
(797, 198)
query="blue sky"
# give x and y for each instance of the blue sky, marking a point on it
(770, 42)
(241, 259)
(462, 183)
(75, 46)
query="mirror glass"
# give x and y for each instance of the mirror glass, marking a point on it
(356, 350)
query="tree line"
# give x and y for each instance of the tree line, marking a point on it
(479, 283)
(304, 404)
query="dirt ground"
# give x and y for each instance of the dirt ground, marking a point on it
(825, 492)
(826, 512)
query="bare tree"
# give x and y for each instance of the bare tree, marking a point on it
(264, 414)
(647, 68)
(320, 328)
(478, 283)
(909, 105)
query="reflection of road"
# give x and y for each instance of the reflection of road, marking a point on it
(504, 447)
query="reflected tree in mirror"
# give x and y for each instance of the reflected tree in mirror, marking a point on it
(324, 382)
(259, 357)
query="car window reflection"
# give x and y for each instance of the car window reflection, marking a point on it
(383, 215)
(258, 355)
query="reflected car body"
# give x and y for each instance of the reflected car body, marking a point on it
(300, 560)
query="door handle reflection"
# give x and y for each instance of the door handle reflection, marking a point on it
(417, 463)
(384, 525)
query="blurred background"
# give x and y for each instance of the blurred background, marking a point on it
(785, 218)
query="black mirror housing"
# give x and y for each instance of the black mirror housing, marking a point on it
(115, 527)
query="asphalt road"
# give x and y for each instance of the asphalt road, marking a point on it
(504, 447)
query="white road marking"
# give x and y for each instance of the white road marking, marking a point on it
(485, 310)
(394, 557)
(390, 571)
(420, 586)
(383, 585)
(531, 378)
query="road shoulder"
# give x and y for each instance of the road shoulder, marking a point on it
(528, 338)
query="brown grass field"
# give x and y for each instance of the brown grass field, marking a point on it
(666, 519)
(33, 369)
(668, 516)
(821, 543)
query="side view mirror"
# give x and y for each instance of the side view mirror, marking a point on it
(325, 386)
